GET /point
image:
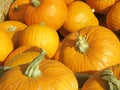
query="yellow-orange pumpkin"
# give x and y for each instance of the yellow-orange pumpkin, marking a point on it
(90, 49)
(52, 12)
(17, 10)
(101, 6)
(13, 29)
(39, 74)
(79, 15)
(6, 45)
(103, 80)
(41, 36)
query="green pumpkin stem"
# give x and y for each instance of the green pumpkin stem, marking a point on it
(12, 28)
(81, 44)
(36, 3)
(113, 82)
(33, 69)
(4, 69)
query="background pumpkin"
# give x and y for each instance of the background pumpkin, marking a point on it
(6, 45)
(96, 81)
(113, 19)
(41, 36)
(17, 10)
(79, 15)
(90, 49)
(52, 12)
(13, 29)
(101, 6)
(20, 50)
(40, 74)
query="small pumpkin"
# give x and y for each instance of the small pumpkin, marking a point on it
(39, 74)
(13, 29)
(101, 6)
(20, 50)
(90, 49)
(41, 36)
(107, 79)
(6, 45)
(52, 12)
(79, 15)
(113, 19)
(17, 10)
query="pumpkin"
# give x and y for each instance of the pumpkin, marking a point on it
(79, 15)
(52, 12)
(6, 45)
(19, 51)
(107, 79)
(41, 36)
(17, 10)
(113, 19)
(4, 8)
(90, 49)
(101, 6)
(13, 29)
(68, 1)
(39, 74)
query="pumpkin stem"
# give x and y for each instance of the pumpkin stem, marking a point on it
(36, 3)
(81, 44)
(4, 69)
(33, 69)
(15, 8)
(113, 82)
(12, 28)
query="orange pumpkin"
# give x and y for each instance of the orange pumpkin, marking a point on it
(79, 15)
(13, 29)
(113, 19)
(6, 45)
(52, 12)
(68, 1)
(17, 10)
(41, 36)
(90, 49)
(101, 6)
(107, 79)
(20, 50)
(39, 74)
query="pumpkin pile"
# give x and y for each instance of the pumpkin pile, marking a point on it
(59, 44)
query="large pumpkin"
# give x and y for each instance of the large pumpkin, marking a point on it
(101, 6)
(6, 45)
(113, 19)
(41, 36)
(79, 15)
(17, 10)
(13, 29)
(90, 49)
(108, 79)
(52, 12)
(19, 52)
(39, 74)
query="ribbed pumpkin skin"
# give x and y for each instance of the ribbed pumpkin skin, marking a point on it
(96, 83)
(52, 12)
(54, 76)
(20, 50)
(22, 58)
(13, 29)
(79, 15)
(42, 37)
(103, 50)
(6, 45)
(113, 19)
(17, 10)
(101, 6)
